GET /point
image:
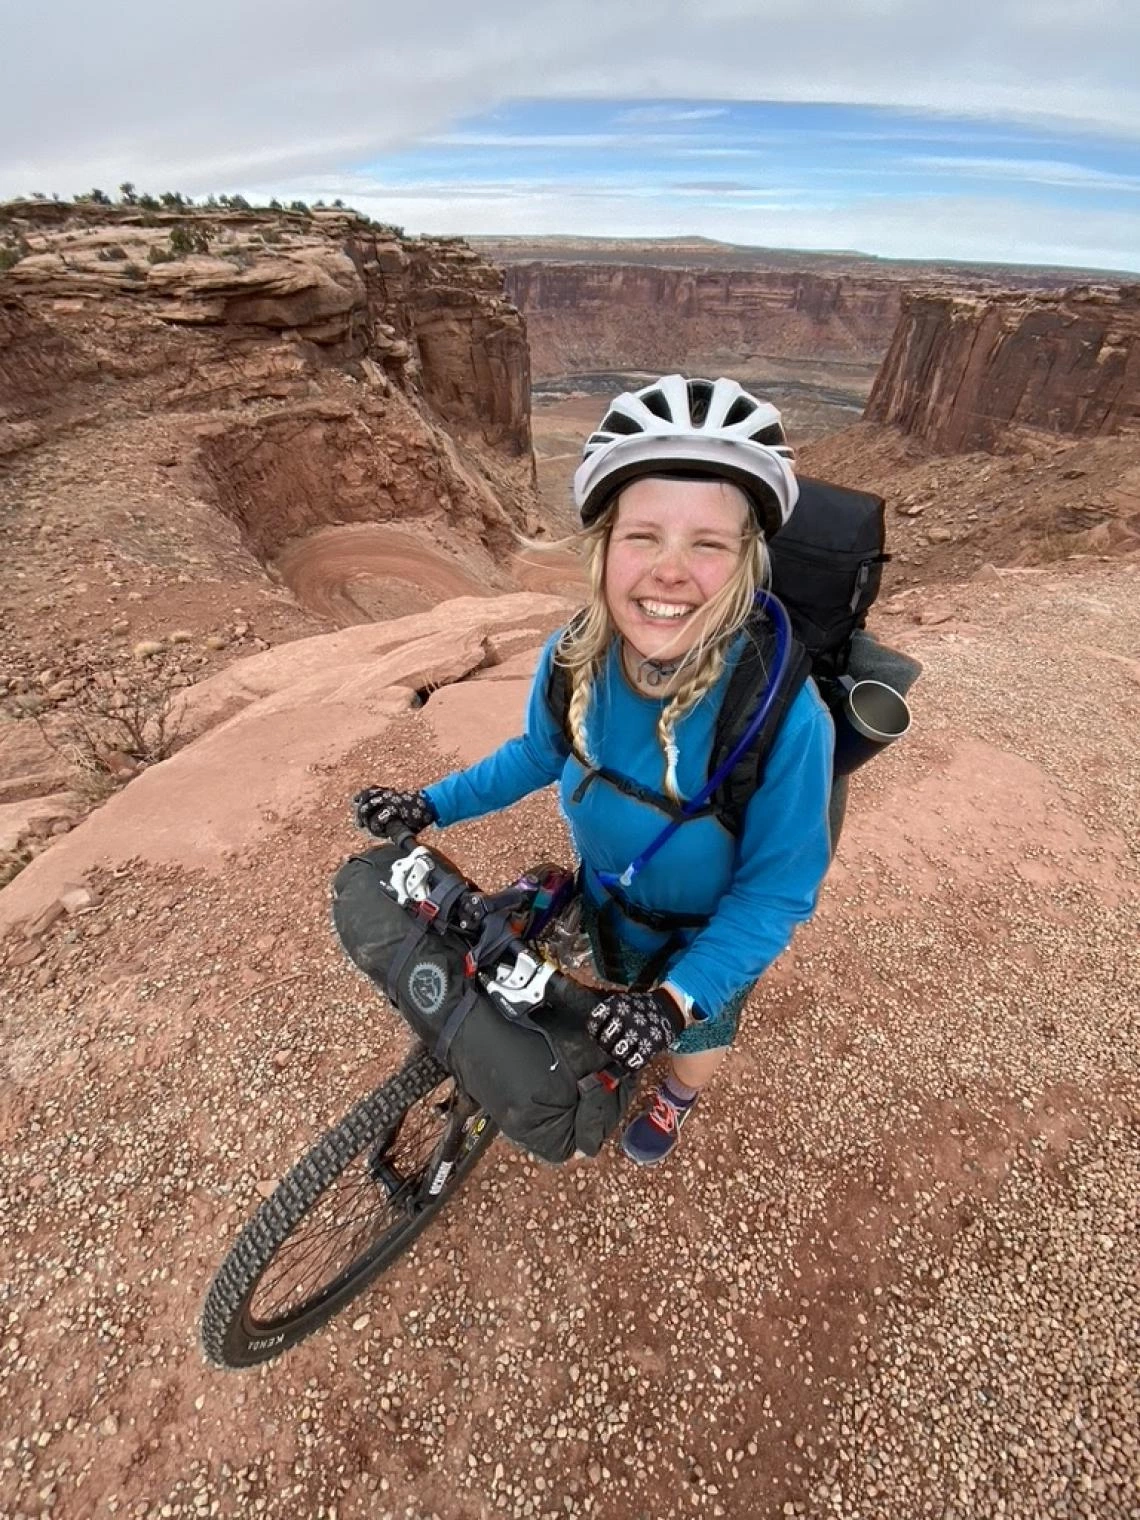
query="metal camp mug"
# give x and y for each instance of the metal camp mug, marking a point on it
(871, 715)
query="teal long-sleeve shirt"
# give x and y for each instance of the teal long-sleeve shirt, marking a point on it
(753, 889)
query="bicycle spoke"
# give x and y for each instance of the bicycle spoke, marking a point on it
(319, 1243)
(318, 1246)
(359, 1210)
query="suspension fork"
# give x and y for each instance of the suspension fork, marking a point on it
(447, 1153)
(459, 1109)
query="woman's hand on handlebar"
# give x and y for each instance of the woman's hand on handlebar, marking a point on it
(633, 1027)
(377, 808)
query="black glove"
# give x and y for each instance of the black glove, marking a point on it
(633, 1026)
(377, 806)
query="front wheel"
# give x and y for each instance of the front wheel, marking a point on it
(343, 1214)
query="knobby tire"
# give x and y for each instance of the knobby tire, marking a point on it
(232, 1335)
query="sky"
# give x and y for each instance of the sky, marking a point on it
(1004, 130)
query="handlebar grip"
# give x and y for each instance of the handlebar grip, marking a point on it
(396, 833)
(576, 996)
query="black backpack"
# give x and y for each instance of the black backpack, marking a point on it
(827, 567)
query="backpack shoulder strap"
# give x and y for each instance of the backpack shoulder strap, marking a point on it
(746, 687)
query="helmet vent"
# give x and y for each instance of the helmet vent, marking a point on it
(655, 402)
(618, 422)
(700, 394)
(772, 436)
(741, 408)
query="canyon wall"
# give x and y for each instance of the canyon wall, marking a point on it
(320, 349)
(631, 316)
(961, 371)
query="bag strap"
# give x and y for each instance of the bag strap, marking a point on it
(558, 686)
(634, 789)
(408, 946)
(740, 780)
(454, 1022)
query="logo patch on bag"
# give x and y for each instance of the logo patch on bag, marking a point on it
(427, 987)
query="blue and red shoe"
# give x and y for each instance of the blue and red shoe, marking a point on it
(652, 1135)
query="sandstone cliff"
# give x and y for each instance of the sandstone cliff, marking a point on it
(200, 409)
(630, 316)
(961, 372)
(327, 325)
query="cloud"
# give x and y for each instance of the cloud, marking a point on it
(229, 90)
(1033, 171)
(578, 141)
(651, 115)
(244, 87)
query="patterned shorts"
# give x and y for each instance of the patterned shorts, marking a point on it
(707, 1034)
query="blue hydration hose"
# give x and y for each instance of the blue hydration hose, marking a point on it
(783, 627)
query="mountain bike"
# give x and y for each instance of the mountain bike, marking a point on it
(367, 1189)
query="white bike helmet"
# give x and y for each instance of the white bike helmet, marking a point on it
(700, 429)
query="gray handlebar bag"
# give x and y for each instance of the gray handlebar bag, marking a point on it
(539, 1085)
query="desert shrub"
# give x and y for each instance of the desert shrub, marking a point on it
(185, 240)
(133, 272)
(157, 255)
(9, 256)
(112, 254)
(271, 235)
(299, 206)
(148, 202)
(116, 717)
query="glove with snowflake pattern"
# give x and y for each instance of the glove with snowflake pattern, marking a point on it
(634, 1026)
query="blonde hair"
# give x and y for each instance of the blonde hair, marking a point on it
(581, 650)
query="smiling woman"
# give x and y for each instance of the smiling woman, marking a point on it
(678, 488)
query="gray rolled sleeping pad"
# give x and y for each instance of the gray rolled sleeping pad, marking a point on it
(541, 1089)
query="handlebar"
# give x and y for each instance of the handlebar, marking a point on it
(473, 907)
(397, 835)
(475, 913)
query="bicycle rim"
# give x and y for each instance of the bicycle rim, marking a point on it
(343, 1214)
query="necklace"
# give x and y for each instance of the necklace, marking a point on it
(653, 673)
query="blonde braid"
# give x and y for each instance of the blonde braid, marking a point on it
(702, 679)
(579, 705)
(582, 648)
